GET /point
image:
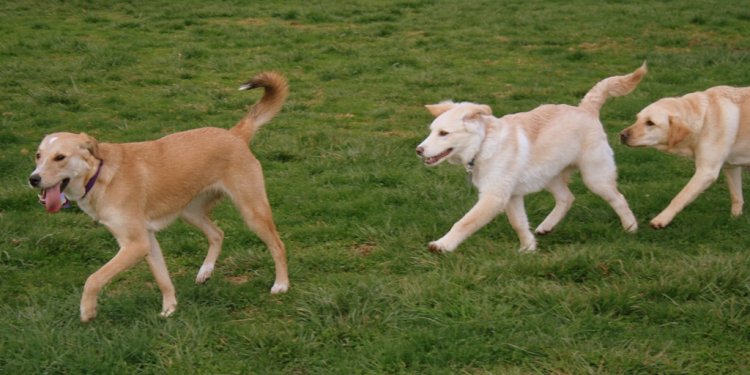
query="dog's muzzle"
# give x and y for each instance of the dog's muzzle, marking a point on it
(624, 135)
(35, 180)
(433, 159)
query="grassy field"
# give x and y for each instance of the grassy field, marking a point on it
(355, 206)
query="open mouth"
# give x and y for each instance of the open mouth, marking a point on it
(434, 159)
(52, 197)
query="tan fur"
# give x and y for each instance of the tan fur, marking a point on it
(521, 153)
(678, 132)
(712, 127)
(610, 87)
(144, 186)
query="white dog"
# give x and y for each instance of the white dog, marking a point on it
(522, 153)
(712, 127)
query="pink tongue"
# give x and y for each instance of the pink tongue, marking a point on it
(52, 201)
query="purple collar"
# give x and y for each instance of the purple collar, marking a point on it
(92, 181)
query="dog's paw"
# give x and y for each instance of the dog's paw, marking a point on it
(168, 311)
(632, 228)
(528, 248)
(204, 273)
(542, 231)
(736, 210)
(279, 288)
(87, 314)
(438, 248)
(659, 223)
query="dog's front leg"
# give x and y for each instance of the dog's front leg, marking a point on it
(487, 207)
(701, 180)
(133, 247)
(159, 270)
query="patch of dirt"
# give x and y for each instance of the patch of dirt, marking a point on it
(364, 249)
(238, 280)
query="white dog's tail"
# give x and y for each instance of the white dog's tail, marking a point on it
(276, 91)
(612, 86)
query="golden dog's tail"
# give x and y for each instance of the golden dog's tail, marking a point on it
(612, 86)
(276, 91)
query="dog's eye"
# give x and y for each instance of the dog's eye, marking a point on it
(442, 133)
(59, 158)
(38, 155)
(649, 123)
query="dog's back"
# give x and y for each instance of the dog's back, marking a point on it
(180, 166)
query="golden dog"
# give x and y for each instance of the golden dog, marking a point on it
(712, 127)
(136, 189)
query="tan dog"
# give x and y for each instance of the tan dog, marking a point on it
(712, 127)
(522, 153)
(136, 189)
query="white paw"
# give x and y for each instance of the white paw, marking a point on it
(279, 288)
(168, 311)
(87, 313)
(632, 228)
(528, 248)
(659, 222)
(439, 247)
(542, 230)
(204, 273)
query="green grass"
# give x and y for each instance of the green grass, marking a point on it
(355, 207)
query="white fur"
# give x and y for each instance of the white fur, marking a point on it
(520, 154)
(204, 273)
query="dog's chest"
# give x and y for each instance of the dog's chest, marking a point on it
(516, 176)
(89, 210)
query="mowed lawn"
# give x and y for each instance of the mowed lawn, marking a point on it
(354, 205)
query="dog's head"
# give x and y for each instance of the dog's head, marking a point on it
(661, 125)
(63, 161)
(455, 134)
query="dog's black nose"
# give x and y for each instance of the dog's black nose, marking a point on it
(624, 137)
(420, 151)
(35, 180)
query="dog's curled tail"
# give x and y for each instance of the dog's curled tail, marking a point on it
(612, 86)
(276, 90)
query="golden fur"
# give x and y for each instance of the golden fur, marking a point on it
(712, 127)
(142, 187)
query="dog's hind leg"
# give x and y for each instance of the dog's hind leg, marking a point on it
(600, 176)
(249, 195)
(734, 181)
(564, 199)
(158, 267)
(197, 214)
(519, 221)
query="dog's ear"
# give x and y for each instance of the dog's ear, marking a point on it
(477, 111)
(90, 144)
(473, 118)
(440, 108)
(678, 131)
